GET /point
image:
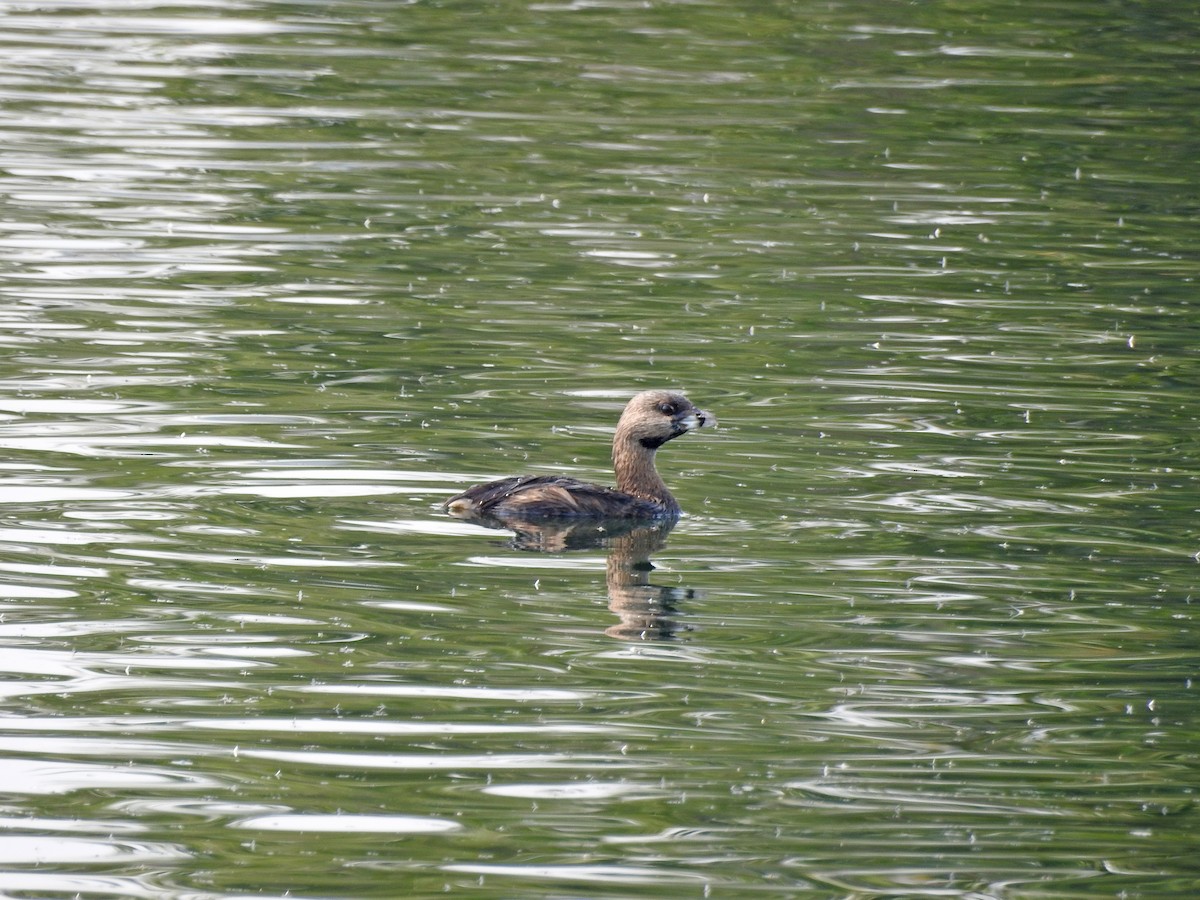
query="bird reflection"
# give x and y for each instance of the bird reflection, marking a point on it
(647, 612)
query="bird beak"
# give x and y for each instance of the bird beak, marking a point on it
(696, 418)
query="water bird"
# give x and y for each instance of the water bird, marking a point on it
(650, 419)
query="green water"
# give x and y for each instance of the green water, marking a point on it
(278, 278)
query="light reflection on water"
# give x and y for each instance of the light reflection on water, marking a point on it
(278, 280)
(349, 824)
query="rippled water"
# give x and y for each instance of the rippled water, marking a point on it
(277, 278)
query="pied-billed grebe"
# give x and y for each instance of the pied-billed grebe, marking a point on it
(650, 419)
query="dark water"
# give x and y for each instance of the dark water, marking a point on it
(277, 278)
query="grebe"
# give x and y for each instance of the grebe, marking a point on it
(650, 419)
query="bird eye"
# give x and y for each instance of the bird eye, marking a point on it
(667, 409)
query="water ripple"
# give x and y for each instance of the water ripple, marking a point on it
(280, 279)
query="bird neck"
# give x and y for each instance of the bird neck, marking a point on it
(636, 474)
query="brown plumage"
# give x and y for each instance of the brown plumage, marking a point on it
(650, 419)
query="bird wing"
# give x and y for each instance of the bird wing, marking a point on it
(547, 496)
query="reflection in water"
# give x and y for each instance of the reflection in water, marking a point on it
(647, 611)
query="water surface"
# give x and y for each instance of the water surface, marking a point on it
(278, 278)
